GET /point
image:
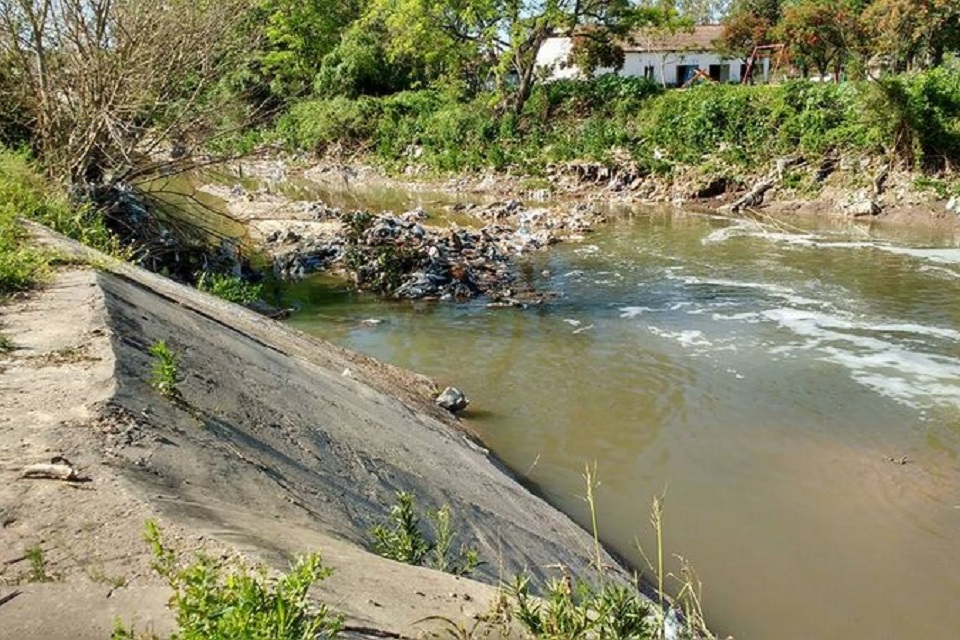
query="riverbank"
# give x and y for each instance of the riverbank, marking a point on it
(477, 231)
(279, 444)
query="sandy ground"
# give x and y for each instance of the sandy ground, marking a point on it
(282, 444)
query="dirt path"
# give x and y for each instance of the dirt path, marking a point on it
(282, 444)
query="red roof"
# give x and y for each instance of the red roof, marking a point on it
(700, 39)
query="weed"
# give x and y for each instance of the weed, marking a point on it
(575, 611)
(230, 287)
(38, 564)
(688, 599)
(165, 371)
(405, 541)
(6, 344)
(218, 600)
(99, 575)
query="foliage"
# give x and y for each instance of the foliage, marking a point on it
(834, 36)
(104, 82)
(6, 346)
(295, 37)
(30, 195)
(219, 600)
(506, 35)
(574, 611)
(165, 371)
(602, 120)
(404, 540)
(316, 125)
(230, 287)
(918, 117)
(822, 34)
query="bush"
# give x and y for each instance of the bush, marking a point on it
(567, 611)
(230, 287)
(216, 600)
(315, 125)
(745, 126)
(405, 541)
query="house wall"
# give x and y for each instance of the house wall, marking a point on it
(660, 67)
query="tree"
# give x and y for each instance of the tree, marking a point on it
(652, 36)
(749, 24)
(702, 11)
(504, 35)
(294, 37)
(103, 83)
(913, 32)
(820, 34)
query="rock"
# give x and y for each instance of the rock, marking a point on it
(860, 204)
(953, 205)
(453, 400)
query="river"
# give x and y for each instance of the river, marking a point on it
(769, 380)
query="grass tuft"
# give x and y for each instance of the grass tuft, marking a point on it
(38, 564)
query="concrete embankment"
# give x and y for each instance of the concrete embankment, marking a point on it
(282, 444)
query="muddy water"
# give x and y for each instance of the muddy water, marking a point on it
(762, 377)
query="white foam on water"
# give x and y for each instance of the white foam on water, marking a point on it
(687, 338)
(887, 367)
(942, 272)
(937, 255)
(587, 250)
(629, 313)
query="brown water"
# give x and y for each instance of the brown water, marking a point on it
(760, 377)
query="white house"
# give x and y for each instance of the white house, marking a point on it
(672, 60)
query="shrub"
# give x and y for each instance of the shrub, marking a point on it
(315, 125)
(583, 611)
(404, 540)
(230, 287)
(217, 600)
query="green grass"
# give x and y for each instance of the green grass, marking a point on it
(230, 287)
(165, 371)
(229, 600)
(25, 193)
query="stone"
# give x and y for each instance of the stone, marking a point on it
(453, 400)
(953, 205)
(860, 204)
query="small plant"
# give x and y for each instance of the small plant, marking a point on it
(6, 345)
(166, 370)
(230, 287)
(38, 564)
(219, 600)
(404, 540)
(573, 611)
